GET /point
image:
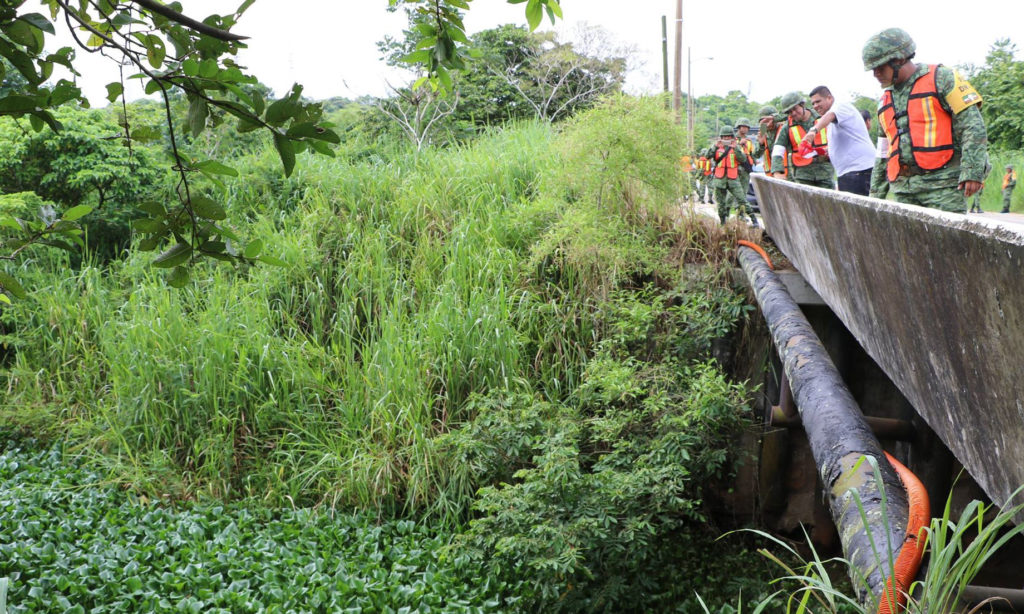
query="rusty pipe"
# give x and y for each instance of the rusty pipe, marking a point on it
(839, 437)
(883, 428)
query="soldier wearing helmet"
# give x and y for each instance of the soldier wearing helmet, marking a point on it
(934, 152)
(810, 165)
(747, 145)
(768, 129)
(728, 159)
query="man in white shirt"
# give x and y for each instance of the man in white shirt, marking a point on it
(849, 145)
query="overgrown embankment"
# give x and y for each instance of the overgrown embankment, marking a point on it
(497, 339)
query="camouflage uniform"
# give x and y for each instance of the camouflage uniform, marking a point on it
(726, 189)
(818, 173)
(750, 147)
(939, 187)
(1009, 182)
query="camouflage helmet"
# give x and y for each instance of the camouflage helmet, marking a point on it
(743, 121)
(725, 130)
(889, 44)
(767, 110)
(790, 100)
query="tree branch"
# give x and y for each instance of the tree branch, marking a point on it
(188, 22)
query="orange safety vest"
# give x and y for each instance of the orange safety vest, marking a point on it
(728, 164)
(797, 134)
(1006, 178)
(706, 165)
(931, 126)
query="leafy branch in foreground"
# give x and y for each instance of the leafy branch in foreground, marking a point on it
(169, 52)
(440, 41)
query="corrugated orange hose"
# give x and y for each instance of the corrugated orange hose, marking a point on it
(757, 248)
(919, 516)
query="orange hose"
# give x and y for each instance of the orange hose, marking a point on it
(919, 516)
(757, 248)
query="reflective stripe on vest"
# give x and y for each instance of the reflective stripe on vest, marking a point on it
(797, 134)
(930, 126)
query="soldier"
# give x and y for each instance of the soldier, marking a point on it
(934, 152)
(810, 164)
(747, 145)
(1009, 182)
(768, 129)
(728, 157)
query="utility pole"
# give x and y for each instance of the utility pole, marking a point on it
(678, 98)
(664, 49)
(689, 103)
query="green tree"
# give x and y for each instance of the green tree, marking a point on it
(172, 52)
(1001, 85)
(87, 163)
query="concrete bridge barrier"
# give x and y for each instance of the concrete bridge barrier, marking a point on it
(935, 298)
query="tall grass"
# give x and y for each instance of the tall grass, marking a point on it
(416, 281)
(321, 382)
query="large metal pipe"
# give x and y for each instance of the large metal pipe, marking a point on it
(839, 437)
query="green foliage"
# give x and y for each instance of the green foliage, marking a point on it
(606, 502)
(447, 321)
(87, 163)
(439, 41)
(171, 52)
(71, 544)
(622, 156)
(1001, 84)
(956, 552)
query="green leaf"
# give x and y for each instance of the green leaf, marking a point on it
(416, 57)
(177, 254)
(272, 261)
(253, 249)
(198, 111)
(190, 67)
(6, 300)
(310, 130)
(11, 285)
(207, 208)
(147, 225)
(287, 152)
(38, 21)
(281, 111)
(18, 104)
(114, 91)
(534, 13)
(208, 68)
(216, 168)
(155, 50)
(75, 213)
(153, 208)
(10, 222)
(177, 278)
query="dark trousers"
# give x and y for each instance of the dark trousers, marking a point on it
(857, 182)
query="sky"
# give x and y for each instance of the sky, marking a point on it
(329, 46)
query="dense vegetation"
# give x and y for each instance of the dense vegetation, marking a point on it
(498, 344)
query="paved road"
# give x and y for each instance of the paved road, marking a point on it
(1013, 218)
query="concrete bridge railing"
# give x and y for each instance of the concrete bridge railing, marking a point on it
(935, 298)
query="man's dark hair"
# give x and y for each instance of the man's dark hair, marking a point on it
(865, 114)
(822, 91)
